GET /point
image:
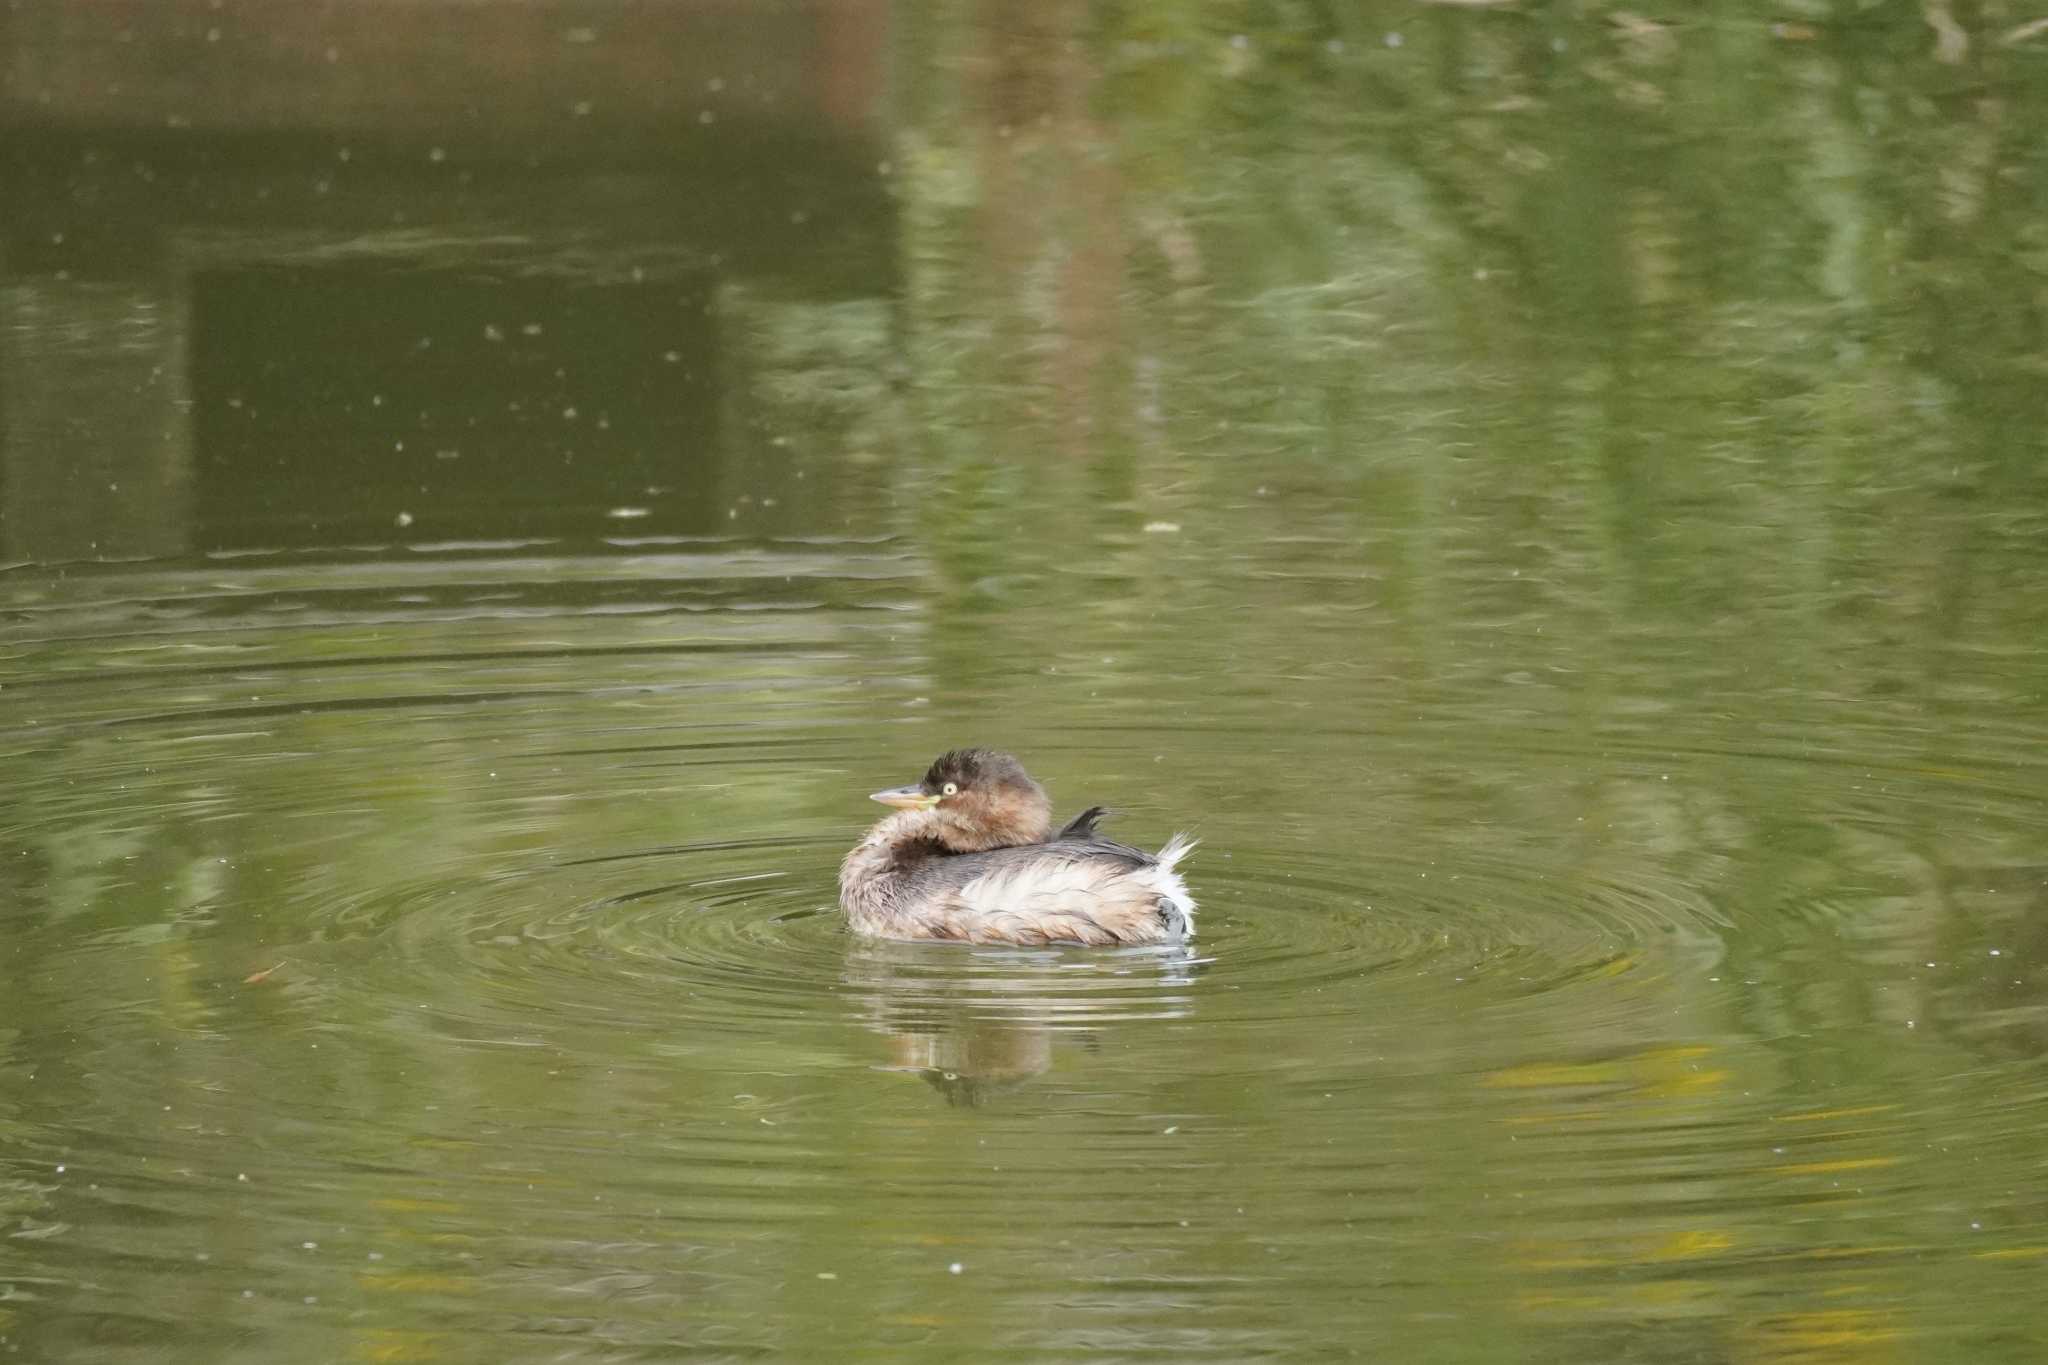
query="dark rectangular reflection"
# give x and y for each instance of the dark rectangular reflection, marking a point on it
(338, 402)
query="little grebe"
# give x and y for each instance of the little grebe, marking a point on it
(970, 855)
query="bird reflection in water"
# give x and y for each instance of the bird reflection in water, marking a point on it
(980, 1024)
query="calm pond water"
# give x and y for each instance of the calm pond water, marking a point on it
(1556, 500)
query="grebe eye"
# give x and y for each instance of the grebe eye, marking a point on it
(950, 789)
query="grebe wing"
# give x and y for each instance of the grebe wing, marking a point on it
(1071, 891)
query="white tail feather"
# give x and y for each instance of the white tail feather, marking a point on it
(1178, 847)
(1168, 881)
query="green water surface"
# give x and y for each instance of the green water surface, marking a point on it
(1555, 498)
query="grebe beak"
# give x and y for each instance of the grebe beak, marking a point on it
(905, 798)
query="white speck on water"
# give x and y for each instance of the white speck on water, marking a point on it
(60, 1170)
(1394, 40)
(310, 1246)
(437, 154)
(531, 329)
(403, 519)
(1161, 528)
(827, 1275)
(955, 1268)
(1171, 1131)
(627, 513)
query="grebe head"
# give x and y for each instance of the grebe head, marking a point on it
(977, 799)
